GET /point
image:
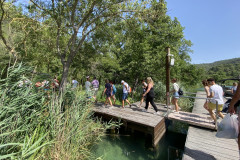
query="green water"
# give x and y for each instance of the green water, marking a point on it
(138, 147)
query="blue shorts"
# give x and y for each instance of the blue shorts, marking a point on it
(113, 93)
(176, 95)
(125, 96)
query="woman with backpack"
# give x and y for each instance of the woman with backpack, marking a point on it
(113, 92)
(175, 94)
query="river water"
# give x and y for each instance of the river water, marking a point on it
(137, 146)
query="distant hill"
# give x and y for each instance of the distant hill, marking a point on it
(229, 68)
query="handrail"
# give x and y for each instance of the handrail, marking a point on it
(199, 98)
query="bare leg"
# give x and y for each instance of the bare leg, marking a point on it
(106, 102)
(220, 114)
(122, 103)
(212, 114)
(206, 105)
(128, 102)
(141, 101)
(114, 99)
(175, 102)
(109, 99)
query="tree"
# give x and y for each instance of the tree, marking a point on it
(75, 21)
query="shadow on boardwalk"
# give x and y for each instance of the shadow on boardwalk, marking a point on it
(198, 155)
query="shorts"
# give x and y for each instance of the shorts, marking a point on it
(108, 94)
(176, 95)
(113, 93)
(125, 96)
(212, 106)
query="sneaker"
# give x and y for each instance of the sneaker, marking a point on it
(157, 113)
(144, 110)
(169, 107)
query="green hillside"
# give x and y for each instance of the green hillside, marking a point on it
(229, 68)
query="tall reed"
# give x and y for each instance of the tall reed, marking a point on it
(36, 126)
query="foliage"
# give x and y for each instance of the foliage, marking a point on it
(35, 127)
(128, 43)
(221, 69)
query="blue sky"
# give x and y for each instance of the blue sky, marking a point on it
(213, 26)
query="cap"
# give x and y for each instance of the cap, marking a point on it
(122, 81)
(87, 77)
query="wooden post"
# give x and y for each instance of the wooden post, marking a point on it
(167, 75)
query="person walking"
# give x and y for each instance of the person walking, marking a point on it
(95, 85)
(125, 93)
(113, 92)
(74, 83)
(216, 93)
(88, 87)
(175, 94)
(150, 95)
(144, 86)
(234, 88)
(206, 88)
(107, 91)
(232, 109)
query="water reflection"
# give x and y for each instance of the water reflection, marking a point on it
(137, 146)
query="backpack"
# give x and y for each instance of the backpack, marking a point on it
(180, 92)
(129, 89)
(114, 89)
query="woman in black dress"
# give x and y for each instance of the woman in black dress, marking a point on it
(150, 95)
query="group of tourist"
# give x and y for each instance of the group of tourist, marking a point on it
(214, 94)
(46, 85)
(110, 92)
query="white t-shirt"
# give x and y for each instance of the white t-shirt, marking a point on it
(124, 88)
(218, 94)
(175, 87)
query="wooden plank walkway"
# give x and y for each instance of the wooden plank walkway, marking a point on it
(135, 119)
(202, 144)
(201, 120)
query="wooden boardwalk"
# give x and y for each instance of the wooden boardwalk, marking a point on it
(202, 144)
(135, 119)
(196, 119)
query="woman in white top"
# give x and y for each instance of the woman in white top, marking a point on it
(175, 94)
(206, 87)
